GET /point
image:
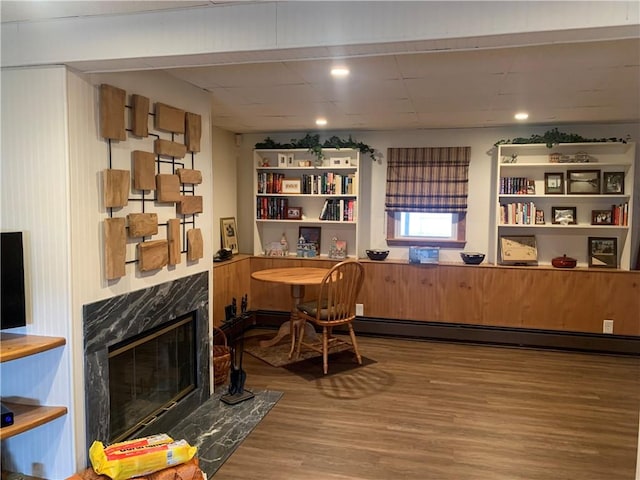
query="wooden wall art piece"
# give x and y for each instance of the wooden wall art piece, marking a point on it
(189, 176)
(116, 187)
(115, 245)
(169, 119)
(153, 255)
(144, 170)
(173, 237)
(142, 224)
(193, 132)
(112, 103)
(169, 149)
(139, 115)
(194, 244)
(167, 188)
(189, 205)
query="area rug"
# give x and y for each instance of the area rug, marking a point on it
(278, 355)
(217, 429)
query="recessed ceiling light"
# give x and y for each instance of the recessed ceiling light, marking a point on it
(321, 122)
(340, 72)
(521, 116)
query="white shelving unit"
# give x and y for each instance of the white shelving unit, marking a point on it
(532, 161)
(271, 204)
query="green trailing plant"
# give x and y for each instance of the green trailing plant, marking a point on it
(313, 145)
(554, 136)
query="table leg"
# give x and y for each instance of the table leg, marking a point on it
(287, 328)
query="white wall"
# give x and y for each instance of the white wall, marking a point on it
(373, 177)
(52, 157)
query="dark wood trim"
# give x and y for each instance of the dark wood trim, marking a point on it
(504, 336)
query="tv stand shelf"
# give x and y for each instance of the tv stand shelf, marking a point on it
(26, 417)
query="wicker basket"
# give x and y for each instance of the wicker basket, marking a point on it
(221, 359)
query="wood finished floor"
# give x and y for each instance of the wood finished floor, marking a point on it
(431, 410)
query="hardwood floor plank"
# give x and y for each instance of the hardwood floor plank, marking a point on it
(432, 410)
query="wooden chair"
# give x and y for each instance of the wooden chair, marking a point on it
(335, 305)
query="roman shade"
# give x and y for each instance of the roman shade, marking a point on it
(427, 179)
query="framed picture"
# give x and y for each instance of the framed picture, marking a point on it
(290, 185)
(583, 182)
(229, 233)
(518, 250)
(539, 217)
(603, 252)
(294, 213)
(291, 160)
(282, 160)
(310, 235)
(554, 183)
(601, 217)
(613, 183)
(563, 215)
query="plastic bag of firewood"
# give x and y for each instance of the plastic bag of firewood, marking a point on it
(184, 471)
(129, 462)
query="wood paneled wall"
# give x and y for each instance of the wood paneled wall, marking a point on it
(230, 279)
(519, 297)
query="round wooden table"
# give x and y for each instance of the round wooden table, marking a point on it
(297, 278)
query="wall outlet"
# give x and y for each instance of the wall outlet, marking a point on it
(607, 326)
(359, 309)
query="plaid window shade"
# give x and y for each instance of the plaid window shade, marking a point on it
(433, 180)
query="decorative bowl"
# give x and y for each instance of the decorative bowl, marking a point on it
(472, 258)
(564, 262)
(377, 254)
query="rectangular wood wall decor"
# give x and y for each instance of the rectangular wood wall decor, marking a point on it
(173, 237)
(189, 204)
(142, 224)
(169, 149)
(168, 188)
(144, 170)
(189, 176)
(169, 119)
(116, 188)
(115, 245)
(112, 104)
(153, 255)
(139, 115)
(193, 132)
(194, 244)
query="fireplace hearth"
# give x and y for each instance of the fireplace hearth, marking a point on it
(110, 324)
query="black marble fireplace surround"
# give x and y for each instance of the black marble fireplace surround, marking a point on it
(114, 320)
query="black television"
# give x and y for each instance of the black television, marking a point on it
(12, 306)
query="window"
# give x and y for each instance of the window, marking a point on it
(426, 198)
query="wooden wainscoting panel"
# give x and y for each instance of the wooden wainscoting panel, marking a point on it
(231, 280)
(459, 294)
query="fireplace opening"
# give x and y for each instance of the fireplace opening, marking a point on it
(149, 374)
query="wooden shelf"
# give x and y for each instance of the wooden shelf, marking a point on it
(26, 417)
(15, 345)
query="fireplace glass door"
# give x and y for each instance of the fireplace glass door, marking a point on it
(149, 374)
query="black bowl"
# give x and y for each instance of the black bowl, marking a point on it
(472, 258)
(377, 254)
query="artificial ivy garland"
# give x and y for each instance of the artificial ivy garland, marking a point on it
(312, 143)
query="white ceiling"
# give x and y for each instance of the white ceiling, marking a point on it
(557, 83)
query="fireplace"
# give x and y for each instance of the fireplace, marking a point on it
(161, 335)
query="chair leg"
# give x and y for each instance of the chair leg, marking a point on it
(300, 335)
(325, 350)
(352, 333)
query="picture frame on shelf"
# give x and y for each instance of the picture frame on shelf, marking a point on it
(282, 160)
(310, 235)
(564, 215)
(603, 252)
(291, 185)
(613, 183)
(293, 213)
(583, 182)
(554, 183)
(601, 217)
(540, 217)
(518, 250)
(229, 234)
(291, 160)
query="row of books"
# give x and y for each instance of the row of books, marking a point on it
(520, 213)
(271, 208)
(339, 209)
(270, 182)
(517, 186)
(329, 183)
(620, 214)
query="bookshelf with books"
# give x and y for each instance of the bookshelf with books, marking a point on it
(293, 189)
(565, 195)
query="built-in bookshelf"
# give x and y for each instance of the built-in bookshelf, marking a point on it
(564, 196)
(293, 189)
